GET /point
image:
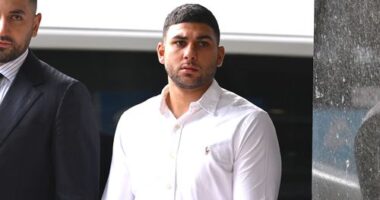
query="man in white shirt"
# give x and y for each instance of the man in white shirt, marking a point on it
(195, 141)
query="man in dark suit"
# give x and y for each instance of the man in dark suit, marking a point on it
(49, 141)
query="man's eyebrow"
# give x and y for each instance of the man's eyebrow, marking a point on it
(18, 11)
(179, 37)
(202, 37)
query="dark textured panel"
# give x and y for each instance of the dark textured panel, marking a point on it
(346, 85)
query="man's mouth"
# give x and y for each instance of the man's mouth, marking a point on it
(189, 67)
(5, 44)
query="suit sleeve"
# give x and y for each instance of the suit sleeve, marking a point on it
(76, 146)
(257, 166)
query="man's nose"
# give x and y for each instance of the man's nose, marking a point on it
(3, 26)
(190, 52)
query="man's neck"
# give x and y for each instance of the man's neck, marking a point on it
(179, 99)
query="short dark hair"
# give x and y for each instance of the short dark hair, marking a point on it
(192, 13)
(34, 4)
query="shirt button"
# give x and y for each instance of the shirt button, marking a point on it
(177, 126)
(169, 186)
(172, 155)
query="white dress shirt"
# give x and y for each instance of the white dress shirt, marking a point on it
(9, 71)
(222, 148)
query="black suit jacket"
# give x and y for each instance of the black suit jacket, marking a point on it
(49, 142)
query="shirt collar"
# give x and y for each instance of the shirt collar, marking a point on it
(10, 69)
(208, 101)
(163, 106)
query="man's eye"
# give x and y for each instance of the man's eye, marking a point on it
(180, 43)
(203, 44)
(16, 18)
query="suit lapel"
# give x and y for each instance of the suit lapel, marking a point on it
(20, 97)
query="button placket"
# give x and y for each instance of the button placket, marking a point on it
(172, 156)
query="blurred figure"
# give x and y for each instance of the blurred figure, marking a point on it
(49, 140)
(367, 154)
(196, 140)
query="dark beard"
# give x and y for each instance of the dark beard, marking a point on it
(13, 52)
(8, 56)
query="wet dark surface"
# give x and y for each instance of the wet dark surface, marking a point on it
(346, 86)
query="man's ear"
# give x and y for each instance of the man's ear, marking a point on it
(161, 52)
(220, 56)
(36, 24)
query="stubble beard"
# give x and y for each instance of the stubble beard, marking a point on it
(192, 82)
(7, 55)
(13, 52)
